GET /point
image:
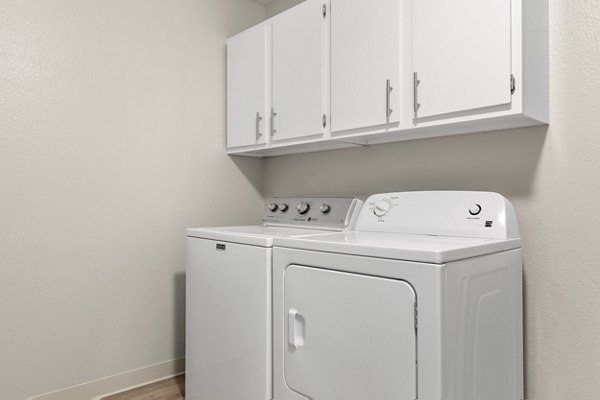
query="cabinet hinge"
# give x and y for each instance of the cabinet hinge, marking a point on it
(324, 10)
(273, 115)
(324, 120)
(513, 84)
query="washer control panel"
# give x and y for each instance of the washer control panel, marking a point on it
(451, 213)
(317, 212)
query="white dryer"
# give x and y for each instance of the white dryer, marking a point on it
(228, 296)
(422, 300)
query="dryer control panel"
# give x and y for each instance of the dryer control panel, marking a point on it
(334, 213)
(445, 213)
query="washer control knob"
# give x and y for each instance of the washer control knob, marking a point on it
(283, 207)
(325, 208)
(303, 208)
(475, 209)
(273, 207)
(381, 208)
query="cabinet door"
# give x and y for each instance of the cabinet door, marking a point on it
(365, 54)
(462, 55)
(246, 88)
(350, 336)
(298, 71)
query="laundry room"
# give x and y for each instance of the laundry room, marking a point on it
(288, 199)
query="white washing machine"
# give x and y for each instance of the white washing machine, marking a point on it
(423, 300)
(228, 296)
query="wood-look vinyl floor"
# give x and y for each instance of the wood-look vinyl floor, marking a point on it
(167, 389)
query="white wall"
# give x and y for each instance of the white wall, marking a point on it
(280, 5)
(112, 126)
(552, 177)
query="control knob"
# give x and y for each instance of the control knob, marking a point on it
(283, 207)
(303, 208)
(273, 207)
(381, 208)
(325, 208)
(475, 209)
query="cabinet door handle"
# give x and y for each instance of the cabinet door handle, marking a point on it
(416, 83)
(273, 115)
(258, 119)
(388, 110)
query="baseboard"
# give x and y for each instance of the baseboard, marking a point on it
(96, 389)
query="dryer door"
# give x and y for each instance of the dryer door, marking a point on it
(349, 336)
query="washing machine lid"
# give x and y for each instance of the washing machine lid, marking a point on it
(254, 235)
(409, 247)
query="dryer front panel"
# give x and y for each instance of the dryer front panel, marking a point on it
(349, 336)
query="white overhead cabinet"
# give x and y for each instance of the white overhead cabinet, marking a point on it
(299, 68)
(357, 72)
(247, 103)
(365, 70)
(462, 55)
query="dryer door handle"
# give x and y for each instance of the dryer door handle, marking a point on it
(296, 329)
